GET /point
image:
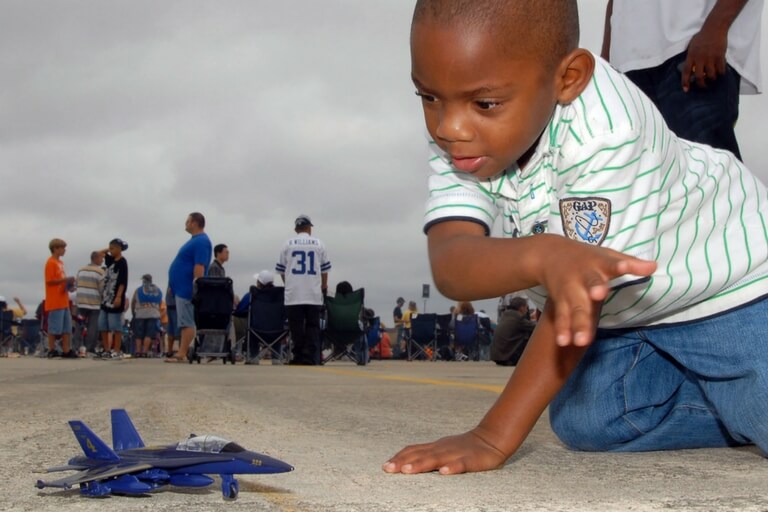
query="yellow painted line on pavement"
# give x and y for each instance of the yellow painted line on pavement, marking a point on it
(415, 380)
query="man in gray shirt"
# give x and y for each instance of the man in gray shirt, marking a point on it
(220, 256)
(512, 333)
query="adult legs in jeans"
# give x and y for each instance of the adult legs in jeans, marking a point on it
(703, 114)
(304, 324)
(694, 385)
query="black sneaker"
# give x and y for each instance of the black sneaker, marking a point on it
(69, 355)
(53, 353)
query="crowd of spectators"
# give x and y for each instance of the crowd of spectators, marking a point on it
(95, 322)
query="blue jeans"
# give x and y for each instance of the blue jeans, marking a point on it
(693, 385)
(703, 114)
(110, 322)
(60, 322)
(172, 329)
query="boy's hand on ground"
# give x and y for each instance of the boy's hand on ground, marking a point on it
(451, 455)
(577, 278)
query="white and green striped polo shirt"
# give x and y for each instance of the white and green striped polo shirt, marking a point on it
(607, 171)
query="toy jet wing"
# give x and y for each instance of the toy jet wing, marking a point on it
(68, 467)
(90, 475)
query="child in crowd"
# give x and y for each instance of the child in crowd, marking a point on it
(648, 254)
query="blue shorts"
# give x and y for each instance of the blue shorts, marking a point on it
(111, 322)
(173, 323)
(59, 322)
(144, 328)
(690, 385)
(185, 313)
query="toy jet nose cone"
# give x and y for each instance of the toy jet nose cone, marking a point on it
(268, 464)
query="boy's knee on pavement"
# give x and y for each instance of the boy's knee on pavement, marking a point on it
(584, 429)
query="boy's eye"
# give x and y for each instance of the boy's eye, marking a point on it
(487, 104)
(425, 97)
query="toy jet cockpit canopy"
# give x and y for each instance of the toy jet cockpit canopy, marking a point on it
(209, 444)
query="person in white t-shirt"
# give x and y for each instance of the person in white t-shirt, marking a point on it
(692, 58)
(303, 266)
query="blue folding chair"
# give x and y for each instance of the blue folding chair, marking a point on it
(30, 335)
(7, 339)
(423, 337)
(267, 333)
(444, 339)
(466, 334)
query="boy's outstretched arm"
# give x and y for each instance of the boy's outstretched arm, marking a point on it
(467, 265)
(539, 375)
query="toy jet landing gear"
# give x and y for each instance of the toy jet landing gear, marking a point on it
(229, 487)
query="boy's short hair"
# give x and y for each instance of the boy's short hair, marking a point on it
(56, 243)
(218, 249)
(549, 28)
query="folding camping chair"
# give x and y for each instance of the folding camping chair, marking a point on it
(31, 336)
(7, 338)
(267, 333)
(444, 338)
(344, 330)
(423, 337)
(466, 334)
(484, 338)
(213, 299)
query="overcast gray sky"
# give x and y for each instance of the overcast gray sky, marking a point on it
(118, 118)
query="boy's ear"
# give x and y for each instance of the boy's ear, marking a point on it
(574, 73)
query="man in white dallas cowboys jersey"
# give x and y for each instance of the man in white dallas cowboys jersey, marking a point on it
(304, 267)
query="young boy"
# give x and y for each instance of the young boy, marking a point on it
(580, 165)
(57, 307)
(113, 302)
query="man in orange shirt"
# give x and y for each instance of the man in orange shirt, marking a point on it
(57, 287)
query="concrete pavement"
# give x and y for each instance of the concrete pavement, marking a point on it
(337, 424)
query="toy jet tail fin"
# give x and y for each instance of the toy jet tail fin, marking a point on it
(93, 446)
(124, 434)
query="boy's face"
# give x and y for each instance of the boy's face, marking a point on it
(484, 108)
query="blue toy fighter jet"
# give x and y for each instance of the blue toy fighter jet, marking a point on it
(132, 468)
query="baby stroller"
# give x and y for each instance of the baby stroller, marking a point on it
(213, 298)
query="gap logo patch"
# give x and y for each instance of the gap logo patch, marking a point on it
(586, 219)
